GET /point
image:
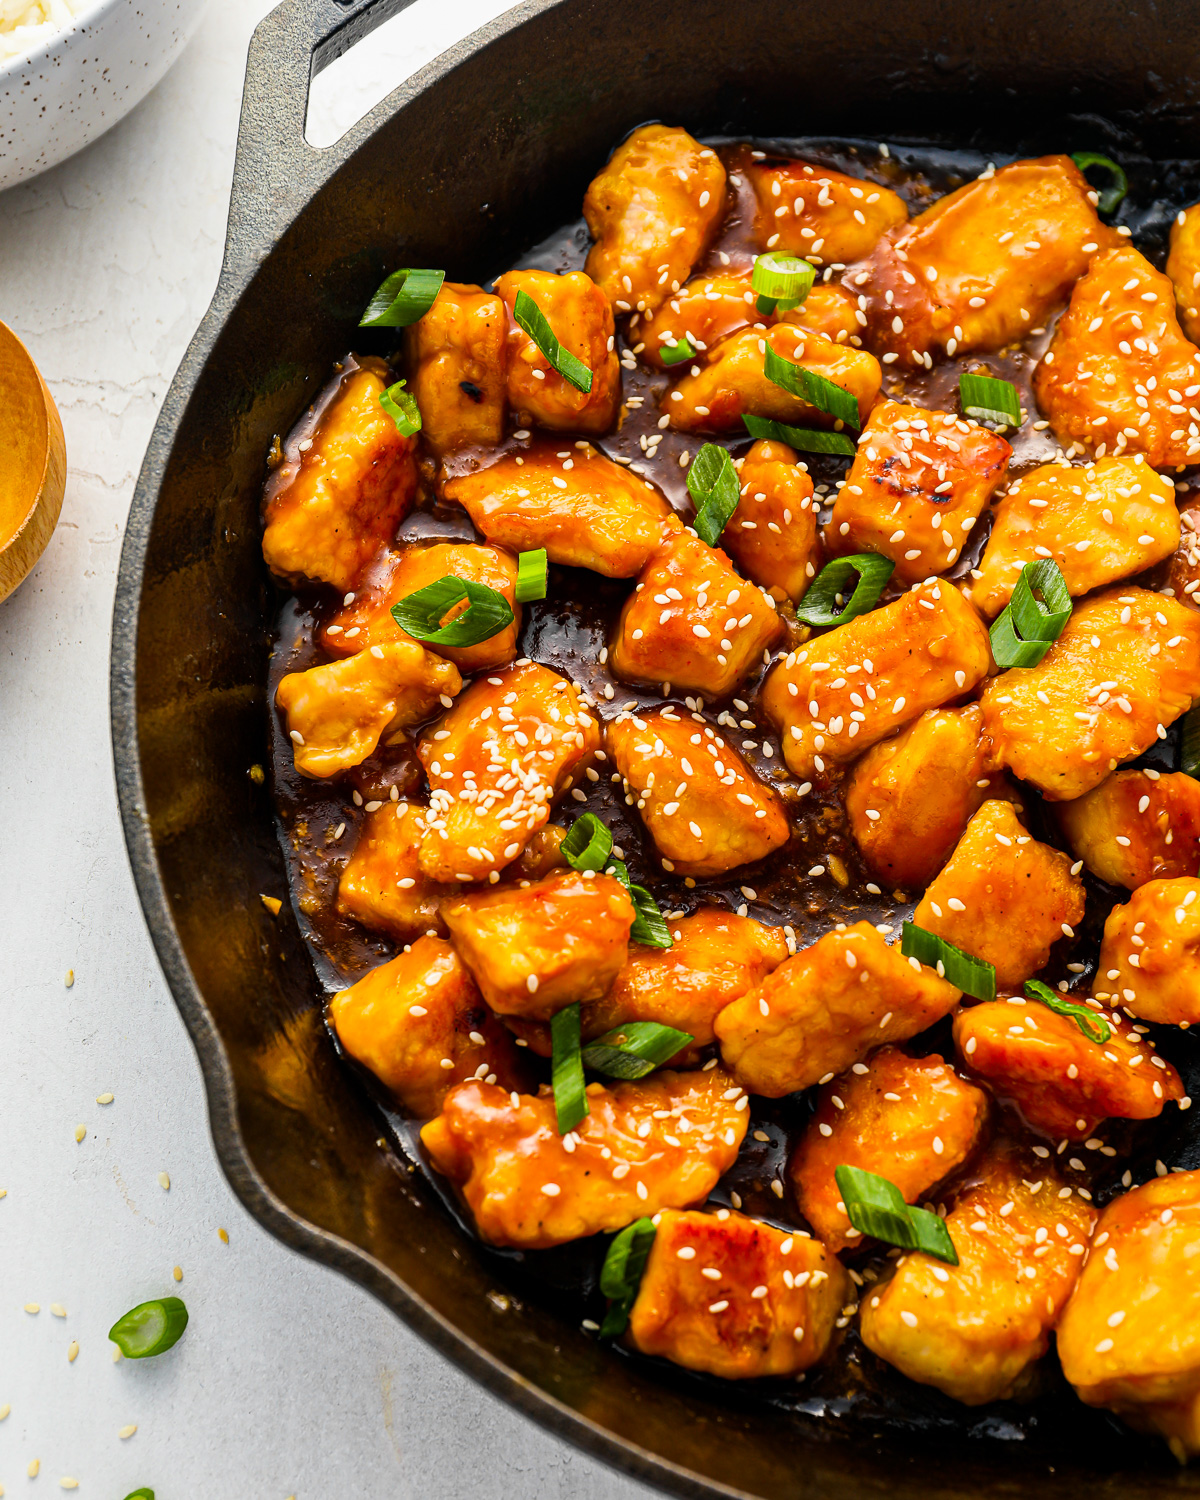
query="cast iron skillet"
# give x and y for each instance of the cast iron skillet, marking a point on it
(467, 164)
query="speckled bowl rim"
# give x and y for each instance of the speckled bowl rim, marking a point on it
(63, 37)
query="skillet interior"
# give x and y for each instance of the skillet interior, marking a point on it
(480, 155)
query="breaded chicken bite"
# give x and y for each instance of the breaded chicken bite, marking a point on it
(910, 797)
(1065, 1083)
(919, 482)
(1126, 665)
(1114, 375)
(585, 510)
(656, 183)
(1101, 523)
(692, 621)
(663, 1142)
(735, 1297)
(1183, 267)
(1150, 956)
(772, 535)
(975, 1329)
(984, 264)
(809, 210)
(332, 507)
(368, 620)
(1136, 826)
(842, 692)
(337, 713)
(1130, 1336)
(457, 354)
(510, 746)
(825, 1009)
(538, 948)
(420, 1025)
(581, 319)
(732, 380)
(704, 807)
(382, 885)
(912, 1120)
(1004, 897)
(1183, 575)
(831, 310)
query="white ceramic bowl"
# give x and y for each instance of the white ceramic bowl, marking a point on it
(81, 81)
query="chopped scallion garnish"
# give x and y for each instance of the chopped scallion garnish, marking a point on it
(142, 1494)
(1093, 1026)
(648, 925)
(588, 843)
(989, 400)
(814, 389)
(971, 975)
(1028, 626)
(1189, 754)
(402, 407)
(634, 1050)
(421, 614)
(150, 1328)
(621, 1274)
(530, 317)
(403, 298)
(781, 281)
(819, 605)
(876, 1207)
(1112, 195)
(566, 1069)
(713, 485)
(531, 576)
(807, 439)
(676, 353)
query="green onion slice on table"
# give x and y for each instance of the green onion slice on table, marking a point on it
(401, 406)
(712, 482)
(530, 317)
(1094, 1027)
(150, 1328)
(807, 439)
(676, 353)
(819, 605)
(1028, 626)
(621, 1274)
(989, 400)
(142, 1494)
(403, 298)
(814, 389)
(531, 576)
(971, 975)
(876, 1207)
(421, 614)
(1112, 195)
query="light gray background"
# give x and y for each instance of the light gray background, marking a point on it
(289, 1380)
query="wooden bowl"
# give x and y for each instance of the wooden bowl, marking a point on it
(33, 463)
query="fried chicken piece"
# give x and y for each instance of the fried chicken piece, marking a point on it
(1126, 665)
(912, 1120)
(330, 508)
(839, 694)
(382, 885)
(825, 1009)
(769, 1309)
(510, 746)
(663, 1142)
(974, 1330)
(1183, 575)
(458, 357)
(1150, 957)
(1114, 376)
(585, 510)
(1183, 267)
(810, 210)
(772, 535)
(1137, 825)
(421, 1026)
(657, 182)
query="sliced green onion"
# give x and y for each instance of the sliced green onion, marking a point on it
(713, 485)
(781, 281)
(989, 400)
(814, 389)
(1093, 1026)
(876, 1207)
(530, 317)
(633, 1051)
(1028, 626)
(531, 576)
(402, 407)
(421, 614)
(648, 925)
(1111, 196)
(142, 1494)
(1189, 757)
(971, 975)
(676, 353)
(819, 607)
(807, 439)
(621, 1274)
(588, 843)
(403, 298)
(150, 1328)
(566, 1069)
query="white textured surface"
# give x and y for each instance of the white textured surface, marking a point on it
(289, 1380)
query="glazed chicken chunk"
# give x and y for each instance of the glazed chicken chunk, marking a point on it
(1115, 375)
(663, 1142)
(1004, 897)
(420, 1025)
(809, 210)
(735, 1297)
(772, 535)
(457, 354)
(692, 621)
(582, 321)
(382, 885)
(331, 507)
(704, 807)
(842, 692)
(825, 1009)
(983, 265)
(975, 1329)
(658, 182)
(911, 1120)
(1136, 826)
(1065, 1082)
(1183, 575)
(919, 482)
(1108, 521)
(1150, 957)
(1126, 665)
(337, 713)
(585, 510)
(535, 949)
(1130, 1337)
(509, 747)
(1183, 267)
